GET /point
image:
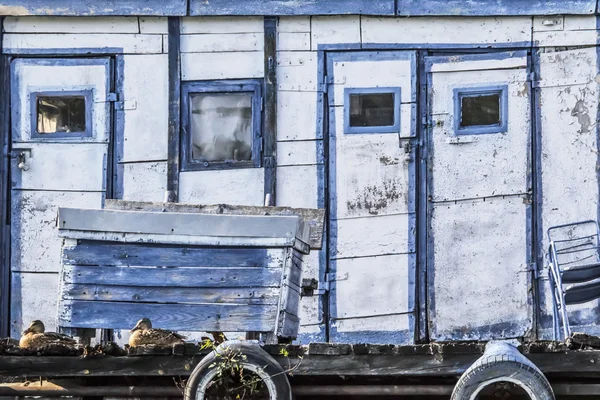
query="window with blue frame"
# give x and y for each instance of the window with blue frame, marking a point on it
(372, 110)
(480, 110)
(61, 114)
(222, 123)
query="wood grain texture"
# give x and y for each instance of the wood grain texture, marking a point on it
(193, 317)
(150, 255)
(313, 217)
(174, 277)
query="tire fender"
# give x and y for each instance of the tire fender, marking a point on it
(257, 360)
(502, 362)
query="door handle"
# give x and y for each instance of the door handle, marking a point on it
(22, 155)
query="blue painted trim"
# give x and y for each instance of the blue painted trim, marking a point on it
(292, 7)
(497, 55)
(88, 96)
(5, 273)
(395, 128)
(17, 102)
(461, 93)
(174, 129)
(422, 334)
(119, 130)
(417, 46)
(252, 86)
(382, 337)
(65, 52)
(94, 8)
(494, 7)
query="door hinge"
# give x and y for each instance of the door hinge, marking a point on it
(312, 287)
(114, 98)
(537, 273)
(324, 86)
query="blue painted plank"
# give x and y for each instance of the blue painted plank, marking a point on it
(494, 7)
(291, 7)
(188, 317)
(152, 255)
(173, 277)
(94, 8)
(91, 292)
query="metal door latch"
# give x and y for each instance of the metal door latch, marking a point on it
(22, 159)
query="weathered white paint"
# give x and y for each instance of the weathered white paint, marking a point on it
(146, 89)
(484, 165)
(374, 236)
(36, 245)
(360, 283)
(569, 98)
(71, 25)
(566, 38)
(206, 66)
(297, 71)
(34, 78)
(335, 29)
(218, 42)
(233, 186)
(33, 296)
(480, 276)
(580, 22)
(298, 153)
(293, 41)
(446, 30)
(549, 23)
(385, 323)
(294, 122)
(568, 68)
(145, 181)
(129, 43)
(371, 175)
(368, 74)
(222, 25)
(292, 193)
(54, 166)
(154, 25)
(293, 24)
(510, 63)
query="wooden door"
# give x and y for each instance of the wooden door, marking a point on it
(372, 262)
(60, 135)
(479, 197)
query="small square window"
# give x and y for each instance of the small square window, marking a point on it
(480, 110)
(372, 110)
(61, 114)
(222, 122)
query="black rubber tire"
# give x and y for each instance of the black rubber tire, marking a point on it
(255, 356)
(503, 363)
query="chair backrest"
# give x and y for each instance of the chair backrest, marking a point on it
(574, 245)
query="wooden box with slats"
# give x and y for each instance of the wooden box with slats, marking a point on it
(185, 271)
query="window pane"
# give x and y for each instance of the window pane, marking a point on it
(221, 126)
(372, 109)
(480, 110)
(60, 114)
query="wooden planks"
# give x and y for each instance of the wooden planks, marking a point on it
(313, 217)
(147, 255)
(172, 277)
(193, 317)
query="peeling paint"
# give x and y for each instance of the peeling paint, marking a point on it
(385, 160)
(375, 198)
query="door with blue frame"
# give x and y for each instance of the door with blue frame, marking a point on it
(371, 103)
(479, 282)
(60, 135)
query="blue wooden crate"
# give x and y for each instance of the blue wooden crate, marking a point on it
(184, 271)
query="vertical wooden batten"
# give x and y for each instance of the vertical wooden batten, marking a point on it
(4, 167)
(270, 111)
(174, 109)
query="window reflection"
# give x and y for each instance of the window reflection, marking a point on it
(221, 126)
(60, 114)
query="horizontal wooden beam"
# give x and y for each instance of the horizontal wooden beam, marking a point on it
(400, 364)
(93, 7)
(297, 7)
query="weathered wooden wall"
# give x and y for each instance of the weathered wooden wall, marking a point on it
(232, 47)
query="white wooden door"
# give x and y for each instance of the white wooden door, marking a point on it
(60, 134)
(372, 263)
(479, 204)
